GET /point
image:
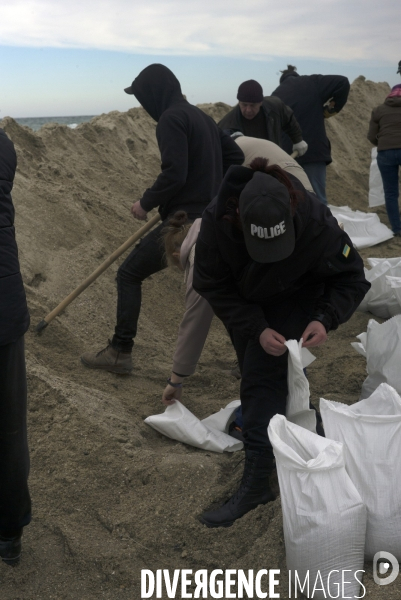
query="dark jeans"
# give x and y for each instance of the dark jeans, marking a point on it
(145, 259)
(316, 173)
(15, 502)
(389, 162)
(264, 386)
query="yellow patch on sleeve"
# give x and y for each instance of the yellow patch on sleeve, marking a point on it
(346, 250)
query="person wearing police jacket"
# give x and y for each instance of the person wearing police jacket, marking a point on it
(274, 265)
(15, 502)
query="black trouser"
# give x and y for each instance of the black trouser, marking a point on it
(145, 259)
(15, 502)
(264, 387)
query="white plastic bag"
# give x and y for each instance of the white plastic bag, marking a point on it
(382, 299)
(298, 410)
(370, 431)
(178, 423)
(364, 229)
(382, 346)
(222, 419)
(324, 517)
(376, 192)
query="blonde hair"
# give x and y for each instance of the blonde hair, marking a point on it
(174, 234)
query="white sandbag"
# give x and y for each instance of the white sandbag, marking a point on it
(298, 410)
(364, 229)
(382, 346)
(395, 284)
(376, 191)
(382, 300)
(178, 423)
(393, 261)
(370, 431)
(324, 517)
(221, 420)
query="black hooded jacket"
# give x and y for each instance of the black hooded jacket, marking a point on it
(195, 154)
(14, 317)
(306, 95)
(320, 273)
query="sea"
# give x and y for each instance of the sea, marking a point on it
(36, 123)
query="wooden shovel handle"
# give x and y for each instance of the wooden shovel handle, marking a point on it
(105, 265)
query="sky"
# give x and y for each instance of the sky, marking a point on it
(75, 57)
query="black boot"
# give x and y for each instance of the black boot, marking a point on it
(10, 547)
(254, 490)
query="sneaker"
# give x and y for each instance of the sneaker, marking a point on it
(10, 549)
(109, 359)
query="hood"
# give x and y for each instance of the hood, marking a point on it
(393, 101)
(287, 75)
(189, 241)
(236, 179)
(156, 88)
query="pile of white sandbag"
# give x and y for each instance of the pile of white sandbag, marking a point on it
(364, 229)
(341, 495)
(384, 297)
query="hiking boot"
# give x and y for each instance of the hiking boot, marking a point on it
(109, 359)
(253, 490)
(10, 549)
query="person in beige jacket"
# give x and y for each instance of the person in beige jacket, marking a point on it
(180, 252)
(254, 147)
(195, 324)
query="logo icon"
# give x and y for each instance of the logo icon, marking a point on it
(384, 562)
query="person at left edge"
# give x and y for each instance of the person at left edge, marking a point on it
(195, 154)
(15, 501)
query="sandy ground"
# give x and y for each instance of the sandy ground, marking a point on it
(110, 495)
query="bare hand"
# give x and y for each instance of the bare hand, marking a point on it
(138, 212)
(314, 335)
(272, 342)
(171, 394)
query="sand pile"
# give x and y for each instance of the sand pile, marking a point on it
(111, 496)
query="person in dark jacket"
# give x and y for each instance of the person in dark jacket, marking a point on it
(274, 265)
(385, 133)
(313, 98)
(15, 502)
(263, 117)
(194, 157)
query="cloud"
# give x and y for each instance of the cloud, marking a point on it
(327, 29)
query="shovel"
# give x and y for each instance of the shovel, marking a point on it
(105, 265)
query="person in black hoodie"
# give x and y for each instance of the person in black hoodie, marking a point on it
(195, 154)
(313, 98)
(274, 265)
(15, 502)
